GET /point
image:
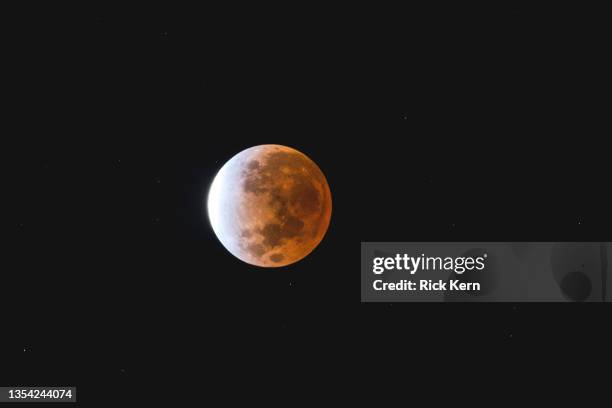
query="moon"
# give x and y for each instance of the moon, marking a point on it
(270, 205)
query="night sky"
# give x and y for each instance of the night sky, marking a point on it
(429, 124)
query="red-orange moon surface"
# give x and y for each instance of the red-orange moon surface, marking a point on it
(270, 205)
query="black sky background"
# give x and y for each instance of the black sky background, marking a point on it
(439, 124)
